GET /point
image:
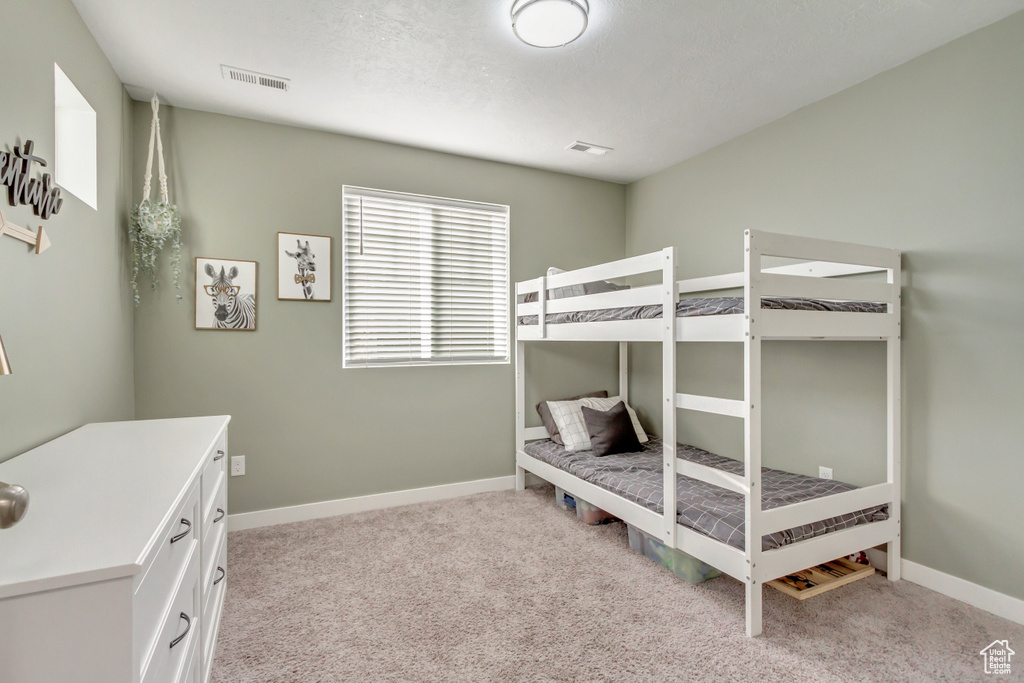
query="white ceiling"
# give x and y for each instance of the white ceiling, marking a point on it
(657, 80)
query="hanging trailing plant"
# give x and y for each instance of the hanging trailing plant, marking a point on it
(155, 224)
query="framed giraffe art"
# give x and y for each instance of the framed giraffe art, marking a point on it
(225, 294)
(303, 267)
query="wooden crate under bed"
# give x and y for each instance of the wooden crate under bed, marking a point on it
(807, 583)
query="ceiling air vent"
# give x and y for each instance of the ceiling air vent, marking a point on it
(587, 147)
(231, 73)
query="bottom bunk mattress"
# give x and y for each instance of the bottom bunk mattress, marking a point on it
(707, 509)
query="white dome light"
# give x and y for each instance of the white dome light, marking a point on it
(549, 23)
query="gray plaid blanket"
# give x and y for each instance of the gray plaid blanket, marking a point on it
(707, 509)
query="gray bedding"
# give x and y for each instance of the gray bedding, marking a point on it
(709, 510)
(727, 305)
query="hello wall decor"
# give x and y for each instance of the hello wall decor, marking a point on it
(22, 189)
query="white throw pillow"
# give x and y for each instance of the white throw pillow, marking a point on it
(568, 417)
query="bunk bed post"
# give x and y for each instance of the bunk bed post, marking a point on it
(894, 418)
(542, 302)
(752, 429)
(520, 408)
(624, 371)
(668, 389)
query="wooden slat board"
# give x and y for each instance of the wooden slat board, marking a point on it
(824, 577)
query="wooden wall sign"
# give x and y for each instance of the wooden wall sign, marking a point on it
(37, 239)
(22, 188)
(39, 193)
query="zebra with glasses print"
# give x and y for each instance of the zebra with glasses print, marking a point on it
(232, 310)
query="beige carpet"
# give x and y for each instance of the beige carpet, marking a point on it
(507, 587)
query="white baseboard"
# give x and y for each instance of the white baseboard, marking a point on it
(379, 501)
(1001, 605)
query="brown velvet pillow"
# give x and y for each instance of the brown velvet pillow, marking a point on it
(549, 422)
(611, 431)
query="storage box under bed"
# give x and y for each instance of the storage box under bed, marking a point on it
(684, 566)
(584, 510)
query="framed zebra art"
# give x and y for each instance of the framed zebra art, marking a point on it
(225, 294)
(303, 267)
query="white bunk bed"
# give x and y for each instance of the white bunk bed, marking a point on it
(816, 277)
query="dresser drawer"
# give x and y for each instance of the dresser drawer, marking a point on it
(217, 516)
(217, 582)
(215, 471)
(193, 671)
(213, 604)
(213, 548)
(178, 543)
(180, 630)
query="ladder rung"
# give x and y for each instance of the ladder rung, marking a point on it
(713, 476)
(710, 404)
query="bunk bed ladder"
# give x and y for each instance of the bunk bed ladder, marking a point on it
(749, 410)
(669, 297)
(752, 429)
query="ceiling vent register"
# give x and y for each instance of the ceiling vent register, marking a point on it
(589, 148)
(231, 73)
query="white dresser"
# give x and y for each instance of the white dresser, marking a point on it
(118, 571)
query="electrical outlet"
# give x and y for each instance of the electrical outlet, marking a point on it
(238, 465)
(823, 472)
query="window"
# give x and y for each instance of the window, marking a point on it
(425, 280)
(74, 158)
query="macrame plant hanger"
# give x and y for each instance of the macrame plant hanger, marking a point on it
(154, 135)
(154, 224)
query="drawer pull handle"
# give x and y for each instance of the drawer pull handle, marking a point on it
(183, 534)
(221, 577)
(219, 456)
(220, 516)
(188, 627)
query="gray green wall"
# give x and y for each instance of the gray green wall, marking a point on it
(310, 430)
(927, 158)
(65, 315)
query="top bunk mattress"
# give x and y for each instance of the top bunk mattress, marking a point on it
(709, 510)
(725, 305)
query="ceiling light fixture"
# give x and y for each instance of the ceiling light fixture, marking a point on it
(549, 23)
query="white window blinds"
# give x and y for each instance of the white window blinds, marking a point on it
(425, 280)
